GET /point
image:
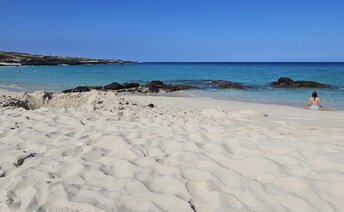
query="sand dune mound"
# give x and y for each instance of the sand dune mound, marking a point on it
(94, 100)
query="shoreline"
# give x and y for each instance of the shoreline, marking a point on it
(259, 86)
(175, 94)
(182, 94)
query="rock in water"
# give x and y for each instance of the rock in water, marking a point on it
(156, 86)
(82, 89)
(151, 87)
(223, 84)
(172, 88)
(113, 86)
(130, 85)
(285, 82)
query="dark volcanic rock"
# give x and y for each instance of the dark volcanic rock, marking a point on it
(151, 87)
(179, 87)
(16, 103)
(222, 84)
(47, 96)
(285, 82)
(130, 85)
(156, 86)
(80, 89)
(113, 86)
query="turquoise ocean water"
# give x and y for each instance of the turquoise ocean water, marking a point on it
(257, 75)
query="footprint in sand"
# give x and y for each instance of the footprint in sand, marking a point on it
(64, 206)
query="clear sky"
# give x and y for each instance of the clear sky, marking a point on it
(176, 30)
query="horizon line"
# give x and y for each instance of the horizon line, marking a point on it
(240, 61)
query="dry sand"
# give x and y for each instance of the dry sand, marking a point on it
(100, 151)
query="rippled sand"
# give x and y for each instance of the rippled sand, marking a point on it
(100, 151)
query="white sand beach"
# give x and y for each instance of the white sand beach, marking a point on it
(102, 151)
(3, 91)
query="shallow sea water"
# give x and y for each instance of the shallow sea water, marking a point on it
(257, 75)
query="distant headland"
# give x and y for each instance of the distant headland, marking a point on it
(19, 59)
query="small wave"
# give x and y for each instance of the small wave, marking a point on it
(313, 69)
(10, 88)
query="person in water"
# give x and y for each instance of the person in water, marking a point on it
(314, 102)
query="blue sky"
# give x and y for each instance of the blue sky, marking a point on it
(176, 30)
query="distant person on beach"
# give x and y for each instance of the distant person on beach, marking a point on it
(314, 102)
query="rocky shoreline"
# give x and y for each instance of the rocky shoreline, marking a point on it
(285, 82)
(154, 87)
(19, 59)
(29, 102)
(159, 86)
